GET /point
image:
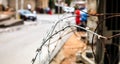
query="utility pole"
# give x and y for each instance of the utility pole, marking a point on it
(16, 9)
(22, 4)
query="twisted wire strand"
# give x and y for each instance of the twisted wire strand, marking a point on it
(50, 36)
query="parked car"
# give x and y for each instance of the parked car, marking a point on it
(27, 15)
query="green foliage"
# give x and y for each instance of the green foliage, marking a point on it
(51, 4)
(68, 2)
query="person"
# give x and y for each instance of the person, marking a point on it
(48, 11)
(81, 15)
(58, 6)
(77, 19)
(29, 7)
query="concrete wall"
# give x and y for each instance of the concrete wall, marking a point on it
(33, 3)
(42, 3)
(92, 20)
(3, 3)
(12, 4)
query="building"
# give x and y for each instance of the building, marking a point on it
(109, 25)
(3, 3)
(107, 51)
(42, 3)
(22, 4)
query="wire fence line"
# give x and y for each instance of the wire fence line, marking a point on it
(49, 40)
(54, 31)
(50, 36)
(111, 15)
(48, 57)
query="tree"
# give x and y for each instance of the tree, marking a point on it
(51, 4)
(68, 2)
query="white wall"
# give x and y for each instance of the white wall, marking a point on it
(92, 20)
(4, 2)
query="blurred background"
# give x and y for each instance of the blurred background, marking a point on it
(24, 23)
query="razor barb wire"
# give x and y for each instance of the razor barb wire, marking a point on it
(51, 44)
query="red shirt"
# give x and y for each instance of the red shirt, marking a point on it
(77, 19)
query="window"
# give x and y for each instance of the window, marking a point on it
(112, 6)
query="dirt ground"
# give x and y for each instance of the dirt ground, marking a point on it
(67, 54)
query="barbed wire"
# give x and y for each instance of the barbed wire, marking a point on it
(51, 34)
(100, 22)
(39, 49)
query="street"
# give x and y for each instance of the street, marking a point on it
(44, 31)
(19, 46)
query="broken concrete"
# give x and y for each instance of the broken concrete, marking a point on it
(67, 54)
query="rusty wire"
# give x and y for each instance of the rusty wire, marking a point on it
(100, 22)
(51, 34)
(39, 49)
